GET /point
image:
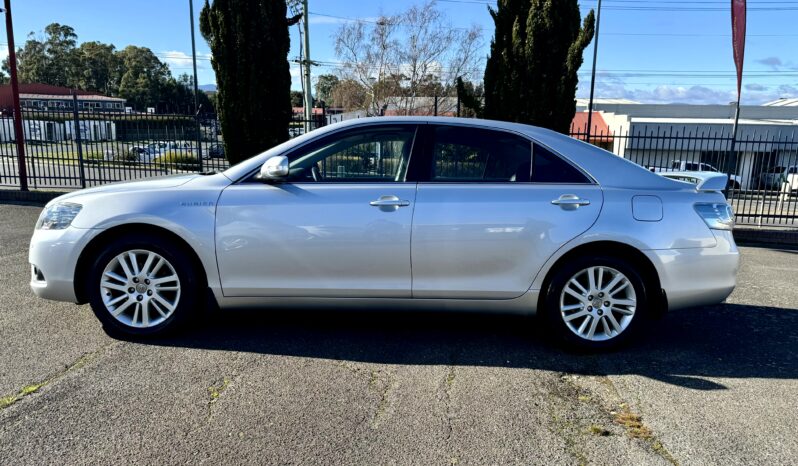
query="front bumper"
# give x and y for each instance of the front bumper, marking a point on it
(53, 256)
(698, 276)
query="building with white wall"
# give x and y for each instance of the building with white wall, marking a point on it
(658, 134)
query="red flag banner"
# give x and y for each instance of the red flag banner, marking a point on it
(738, 38)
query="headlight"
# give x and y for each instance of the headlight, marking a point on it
(717, 215)
(58, 216)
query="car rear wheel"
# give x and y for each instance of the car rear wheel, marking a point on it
(142, 285)
(596, 303)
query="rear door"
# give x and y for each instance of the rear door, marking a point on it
(491, 208)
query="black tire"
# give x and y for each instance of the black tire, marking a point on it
(191, 283)
(562, 275)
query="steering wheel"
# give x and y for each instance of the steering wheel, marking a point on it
(316, 173)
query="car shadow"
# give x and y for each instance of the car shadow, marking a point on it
(684, 348)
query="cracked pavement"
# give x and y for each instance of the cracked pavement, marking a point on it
(709, 385)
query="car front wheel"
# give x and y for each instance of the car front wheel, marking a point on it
(596, 303)
(142, 286)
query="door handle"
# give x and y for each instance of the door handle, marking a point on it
(570, 202)
(389, 201)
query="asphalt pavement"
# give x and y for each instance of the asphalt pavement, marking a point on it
(713, 385)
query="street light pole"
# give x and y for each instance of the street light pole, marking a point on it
(18, 133)
(593, 73)
(196, 84)
(306, 77)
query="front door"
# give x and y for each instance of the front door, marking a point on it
(338, 226)
(484, 222)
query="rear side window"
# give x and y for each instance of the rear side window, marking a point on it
(472, 154)
(551, 168)
(463, 154)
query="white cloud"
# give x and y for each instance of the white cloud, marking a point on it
(609, 86)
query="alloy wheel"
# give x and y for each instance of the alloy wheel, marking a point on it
(598, 303)
(140, 288)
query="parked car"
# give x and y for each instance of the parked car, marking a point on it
(503, 217)
(735, 181)
(143, 154)
(215, 151)
(161, 148)
(776, 176)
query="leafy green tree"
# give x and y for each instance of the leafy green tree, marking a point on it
(99, 68)
(530, 76)
(324, 87)
(297, 99)
(470, 98)
(52, 60)
(250, 44)
(144, 78)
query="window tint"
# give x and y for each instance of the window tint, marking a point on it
(471, 154)
(550, 168)
(375, 154)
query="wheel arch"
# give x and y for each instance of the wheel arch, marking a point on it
(656, 298)
(94, 246)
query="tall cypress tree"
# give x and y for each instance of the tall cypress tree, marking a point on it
(249, 41)
(537, 49)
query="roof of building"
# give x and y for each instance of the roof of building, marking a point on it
(47, 91)
(600, 127)
(105, 98)
(783, 102)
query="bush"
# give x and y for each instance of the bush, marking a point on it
(177, 160)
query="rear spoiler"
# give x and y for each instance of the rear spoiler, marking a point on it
(703, 181)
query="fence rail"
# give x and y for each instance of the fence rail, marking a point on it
(72, 150)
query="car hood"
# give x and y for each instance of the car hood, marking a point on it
(170, 181)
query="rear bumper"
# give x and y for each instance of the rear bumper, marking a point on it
(53, 256)
(698, 276)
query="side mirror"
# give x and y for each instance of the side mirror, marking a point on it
(274, 168)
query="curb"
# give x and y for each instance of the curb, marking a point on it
(752, 236)
(28, 197)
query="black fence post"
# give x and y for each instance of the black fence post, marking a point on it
(435, 111)
(76, 120)
(199, 139)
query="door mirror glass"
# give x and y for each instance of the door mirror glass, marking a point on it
(274, 168)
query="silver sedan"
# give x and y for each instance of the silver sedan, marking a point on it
(408, 213)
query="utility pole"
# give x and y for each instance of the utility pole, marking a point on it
(306, 77)
(593, 74)
(19, 135)
(196, 84)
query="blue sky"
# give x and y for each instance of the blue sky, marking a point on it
(649, 50)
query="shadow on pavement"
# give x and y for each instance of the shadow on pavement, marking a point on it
(727, 340)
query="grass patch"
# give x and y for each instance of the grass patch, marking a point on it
(633, 424)
(180, 161)
(215, 391)
(599, 431)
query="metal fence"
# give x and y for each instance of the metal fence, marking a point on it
(71, 150)
(763, 166)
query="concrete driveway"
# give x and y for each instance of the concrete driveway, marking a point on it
(711, 385)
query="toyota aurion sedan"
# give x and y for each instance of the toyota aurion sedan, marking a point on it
(408, 213)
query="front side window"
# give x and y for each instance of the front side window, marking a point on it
(373, 154)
